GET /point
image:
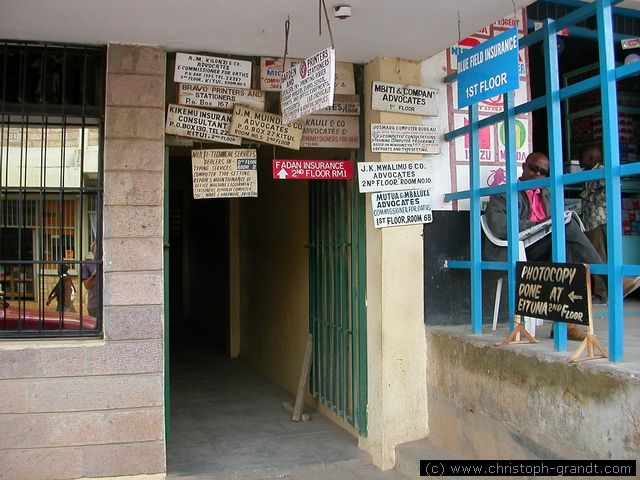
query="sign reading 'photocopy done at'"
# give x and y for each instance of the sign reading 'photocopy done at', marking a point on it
(404, 207)
(397, 175)
(202, 69)
(489, 69)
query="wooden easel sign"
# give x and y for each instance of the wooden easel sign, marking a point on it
(559, 292)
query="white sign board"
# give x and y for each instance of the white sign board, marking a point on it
(308, 86)
(224, 173)
(265, 127)
(404, 207)
(324, 131)
(224, 98)
(199, 123)
(342, 105)
(393, 97)
(202, 69)
(404, 138)
(271, 75)
(396, 175)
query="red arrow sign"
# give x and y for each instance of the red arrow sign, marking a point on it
(313, 169)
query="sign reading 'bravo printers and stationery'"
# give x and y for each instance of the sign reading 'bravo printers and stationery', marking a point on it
(224, 98)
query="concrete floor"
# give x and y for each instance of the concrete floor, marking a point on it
(227, 421)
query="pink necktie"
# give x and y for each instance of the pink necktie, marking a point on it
(537, 207)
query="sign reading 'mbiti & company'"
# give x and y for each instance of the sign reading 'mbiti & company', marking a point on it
(392, 97)
(202, 69)
(200, 123)
(224, 98)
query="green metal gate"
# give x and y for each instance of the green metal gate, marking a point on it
(337, 313)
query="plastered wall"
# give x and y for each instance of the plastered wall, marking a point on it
(95, 408)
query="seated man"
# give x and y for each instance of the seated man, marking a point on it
(533, 206)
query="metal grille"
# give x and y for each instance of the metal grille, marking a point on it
(337, 299)
(51, 130)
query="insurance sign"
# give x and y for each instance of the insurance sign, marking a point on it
(313, 169)
(489, 69)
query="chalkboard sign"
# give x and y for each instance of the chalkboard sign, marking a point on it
(554, 291)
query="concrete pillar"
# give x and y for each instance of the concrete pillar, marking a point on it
(396, 346)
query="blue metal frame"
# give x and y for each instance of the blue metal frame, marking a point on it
(557, 180)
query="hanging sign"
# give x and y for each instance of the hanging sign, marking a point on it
(271, 75)
(392, 97)
(628, 43)
(224, 98)
(404, 207)
(404, 138)
(308, 86)
(265, 127)
(203, 69)
(331, 132)
(553, 291)
(342, 105)
(313, 169)
(199, 123)
(224, 173)
(488, 69)
(396, 175)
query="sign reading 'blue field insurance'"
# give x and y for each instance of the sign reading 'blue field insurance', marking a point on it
(489, 69)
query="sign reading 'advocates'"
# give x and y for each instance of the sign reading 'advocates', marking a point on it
(553, 291)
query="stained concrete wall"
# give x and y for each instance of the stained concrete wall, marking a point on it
(95, 408)
(396, 353)
(273, 275)
(487, 402)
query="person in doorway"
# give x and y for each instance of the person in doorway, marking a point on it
(63, 291)
(594, 217)
(534, 207)
(89, 280)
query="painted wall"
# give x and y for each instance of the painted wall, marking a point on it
(395, 330)
(95, 408)
(273, 280)
(488, 402)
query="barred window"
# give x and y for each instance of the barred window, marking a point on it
(51, 130)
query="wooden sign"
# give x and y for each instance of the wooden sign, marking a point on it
(396, 175)
(393, 97)
(331, 132)
(199, 123)
(224, 173)
(271, 75)
(265, 127)
(312, 169)
(308, 86)
(553, 291)
(342, 105)
(224, 98)
(404, 207)
(202, 69)
(404, 138)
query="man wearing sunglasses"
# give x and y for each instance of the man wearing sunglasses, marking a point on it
(534, 207)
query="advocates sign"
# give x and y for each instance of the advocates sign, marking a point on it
(224, 173)
(342, 105)
(265, 127)
(199, 123)
(331, 132)
(393, 97)
(405, 207)
(553, 291)
(396, 175)
(489, 69)
(312, 169)
(202, 69)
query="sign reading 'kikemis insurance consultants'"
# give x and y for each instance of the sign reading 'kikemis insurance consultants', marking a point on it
(397, 175)
(489, 69)
(404, 207)
(200, 123)
(203, 69)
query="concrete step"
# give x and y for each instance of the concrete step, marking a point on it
(408, 456)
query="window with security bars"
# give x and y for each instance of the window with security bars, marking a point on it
(51, 129)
